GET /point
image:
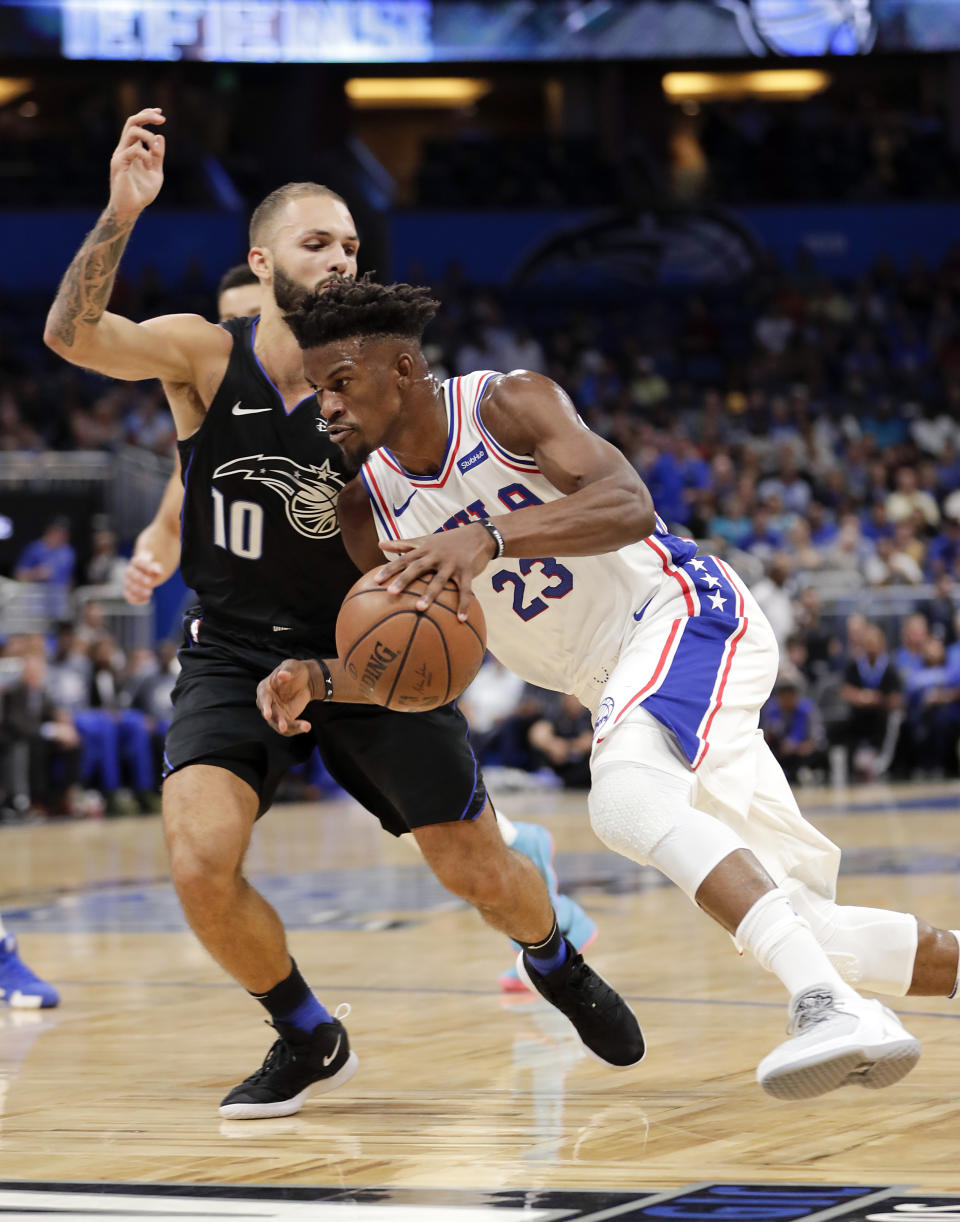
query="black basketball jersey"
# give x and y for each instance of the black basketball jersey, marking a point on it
(261, 541)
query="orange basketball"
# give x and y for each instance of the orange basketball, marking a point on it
(407, 659)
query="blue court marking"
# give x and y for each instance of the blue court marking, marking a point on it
(518, 1005)
(369, 898)
(885, 806)
(363, 899)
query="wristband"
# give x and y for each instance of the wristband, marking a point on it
(327, 681)
(495, 535)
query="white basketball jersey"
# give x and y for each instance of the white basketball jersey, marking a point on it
(559, 621)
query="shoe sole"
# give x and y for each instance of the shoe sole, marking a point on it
(525, 977)
(874, 1068)
(287, 1107)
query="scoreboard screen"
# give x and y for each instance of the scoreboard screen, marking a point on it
(445, 31)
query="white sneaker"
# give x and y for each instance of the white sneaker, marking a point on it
(837, 1041)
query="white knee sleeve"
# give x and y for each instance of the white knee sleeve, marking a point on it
(645, 814)
(870, 947)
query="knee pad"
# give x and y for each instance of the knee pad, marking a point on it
(646, 815)
(871, 948)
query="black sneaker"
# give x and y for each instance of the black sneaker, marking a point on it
(607, 1027)
(296, 1062)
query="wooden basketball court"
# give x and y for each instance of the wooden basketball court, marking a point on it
(459, 1087)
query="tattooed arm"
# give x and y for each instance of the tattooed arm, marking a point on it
(79, 327)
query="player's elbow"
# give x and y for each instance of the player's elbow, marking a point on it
(63, 345)
(640, 511)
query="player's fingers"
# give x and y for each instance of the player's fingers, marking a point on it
(138, 135)
(410, 571)
(465, 590)
(149, 114)
(434, 586)
(397, 545)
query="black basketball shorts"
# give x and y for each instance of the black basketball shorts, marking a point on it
(408, 769)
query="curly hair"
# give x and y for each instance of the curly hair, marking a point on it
(347, 308)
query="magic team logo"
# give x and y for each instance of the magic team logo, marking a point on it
(805, 27)
(604, 712)
(309, 493)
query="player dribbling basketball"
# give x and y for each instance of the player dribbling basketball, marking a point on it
(507, 493)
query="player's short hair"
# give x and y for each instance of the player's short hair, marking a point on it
(236, 277)
(347, 308)
(266, 211)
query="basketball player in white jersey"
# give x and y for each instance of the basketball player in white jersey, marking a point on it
(492, 480)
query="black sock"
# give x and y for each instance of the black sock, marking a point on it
(291, 1001)
(548, 955)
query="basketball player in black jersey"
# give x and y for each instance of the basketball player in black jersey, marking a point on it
(261, 547)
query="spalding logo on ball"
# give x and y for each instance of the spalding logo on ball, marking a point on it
(406, 659)
(805, 27)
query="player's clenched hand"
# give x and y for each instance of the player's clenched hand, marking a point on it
(283, 696)
(141, 577)
(136, 167)
(454, 555)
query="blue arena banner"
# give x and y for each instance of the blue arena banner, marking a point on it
(437, 31)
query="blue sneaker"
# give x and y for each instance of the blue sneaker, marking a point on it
(19, 987)
(580, 930)
(536, 843)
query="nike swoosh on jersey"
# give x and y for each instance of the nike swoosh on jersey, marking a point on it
(237, 410)
(397, 512)
(638, 615)
(336, 1049)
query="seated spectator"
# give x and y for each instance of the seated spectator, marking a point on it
(50, 561)
(562, 738)
(850, 549)
(773, 594)
(873, 693)
(39, 746)
(105, 566)
(943, 550)
(793, 727)
(914, 637)
(942, 609)
(933, 709)
(822, 646)
(907, 497)
(500, 708)
(891, 564)
(731, 523)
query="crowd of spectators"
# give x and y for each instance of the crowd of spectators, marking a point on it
(807, 429)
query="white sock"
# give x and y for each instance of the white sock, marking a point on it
(507, 830)
(956, 985)
(783, 943)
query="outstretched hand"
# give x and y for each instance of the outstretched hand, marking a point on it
(454, 555)
(136, 167)
(283, 695)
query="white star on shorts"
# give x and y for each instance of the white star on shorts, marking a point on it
(718, 601)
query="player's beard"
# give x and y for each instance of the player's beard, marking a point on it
(288, 295)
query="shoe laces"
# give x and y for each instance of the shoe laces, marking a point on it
(283, 1051)
(814, 1006)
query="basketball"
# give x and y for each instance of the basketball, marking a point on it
(406, 659)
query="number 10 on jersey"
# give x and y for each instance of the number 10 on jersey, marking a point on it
(238, 527)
